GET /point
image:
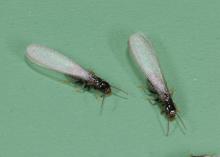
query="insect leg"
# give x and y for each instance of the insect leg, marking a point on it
(102, 105)
(168, 127)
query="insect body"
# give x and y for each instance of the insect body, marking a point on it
(54, 60)
(143, 53)
(94, 82)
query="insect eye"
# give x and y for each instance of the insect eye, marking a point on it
(167, 109)
(103, 85)
(172, 113)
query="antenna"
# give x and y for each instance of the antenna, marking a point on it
(120, 90)
(119, 96)
(181, 121)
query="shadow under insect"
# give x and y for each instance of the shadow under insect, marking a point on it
(53, 60)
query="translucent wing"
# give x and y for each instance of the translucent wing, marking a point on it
(54, 60)
(144, 54)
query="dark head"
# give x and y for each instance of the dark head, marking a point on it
(170, 109)
(104, 87)
(101, 85)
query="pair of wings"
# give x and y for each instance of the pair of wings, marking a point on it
(53, 60)
(144, 54)
(140, 48)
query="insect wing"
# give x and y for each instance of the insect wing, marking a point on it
(143, 53)
(54, 60)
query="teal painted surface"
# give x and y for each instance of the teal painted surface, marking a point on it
(43, 117)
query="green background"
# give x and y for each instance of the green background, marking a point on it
(43, 117)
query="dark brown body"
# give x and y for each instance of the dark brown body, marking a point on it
(94, 82)
(169, 106)
(165, 100)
